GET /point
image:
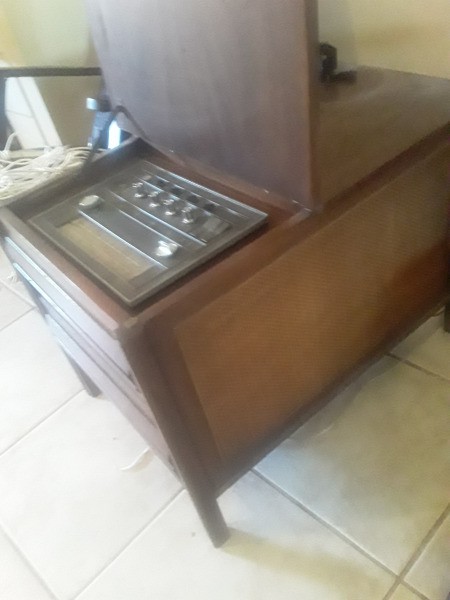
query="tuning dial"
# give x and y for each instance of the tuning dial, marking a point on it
(140, 192)
(188, 215)
(166, 249)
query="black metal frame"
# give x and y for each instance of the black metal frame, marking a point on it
(7, 72)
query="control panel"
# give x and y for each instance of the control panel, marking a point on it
(144, 227)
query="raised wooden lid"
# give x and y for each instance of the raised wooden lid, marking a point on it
(229, 83)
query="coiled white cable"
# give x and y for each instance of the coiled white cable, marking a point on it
(20, 173)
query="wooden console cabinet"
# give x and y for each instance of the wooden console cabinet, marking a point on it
(221, 366)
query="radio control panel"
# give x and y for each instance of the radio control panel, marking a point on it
(144, 227)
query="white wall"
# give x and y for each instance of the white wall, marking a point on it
(49, 31)
(53, 32)
(409, 35)
(9, 50)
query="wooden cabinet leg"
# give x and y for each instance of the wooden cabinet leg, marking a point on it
(145, 356)
(212, 519)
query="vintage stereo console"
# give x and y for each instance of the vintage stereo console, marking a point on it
(269, 238)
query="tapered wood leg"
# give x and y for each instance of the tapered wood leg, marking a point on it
(212, 519)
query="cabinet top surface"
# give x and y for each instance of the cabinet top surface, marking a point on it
(367, 124)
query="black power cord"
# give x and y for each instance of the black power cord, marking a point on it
(117, 110)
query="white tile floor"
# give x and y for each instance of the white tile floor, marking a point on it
(354, 506)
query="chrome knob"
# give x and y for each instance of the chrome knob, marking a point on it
(188, 215)
(154, 199)
(171, 204)
(140, 192)
(165, 249)
(165, 199)
(171, 211)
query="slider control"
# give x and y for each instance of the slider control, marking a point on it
(89, 202)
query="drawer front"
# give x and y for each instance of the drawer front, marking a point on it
(102, 360)
(96, 354)
(76, 314)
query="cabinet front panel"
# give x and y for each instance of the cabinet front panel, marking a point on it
(275, 343)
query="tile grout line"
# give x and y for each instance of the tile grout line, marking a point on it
(399, 582)
(399, 579)
(423, 544)
(39, 423)
(156, 516)
(424, 370)
(325, 524)
(10, 287)
(414, 591)
(30, 309)
(391, 591)
(29, 565)
(416, 554)
(395, 587)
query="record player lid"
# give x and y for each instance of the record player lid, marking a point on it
(226, 83)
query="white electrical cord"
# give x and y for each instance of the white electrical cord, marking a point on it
(139, 461)
(20, 173)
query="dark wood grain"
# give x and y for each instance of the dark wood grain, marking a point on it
(376, 119)
(272, 344)
(231, 84)
(185, 448)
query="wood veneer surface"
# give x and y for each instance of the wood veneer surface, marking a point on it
(231, 84)
(366, 124)
(277, 341)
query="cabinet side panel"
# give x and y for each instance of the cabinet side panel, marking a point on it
(272, 345)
